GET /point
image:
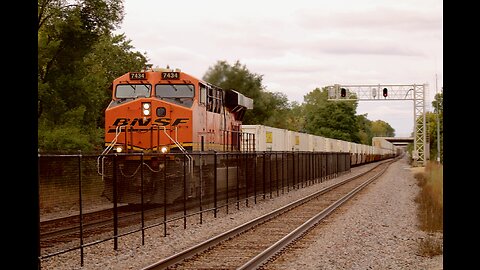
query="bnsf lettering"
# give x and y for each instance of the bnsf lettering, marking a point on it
(121, 122)
(145, 122)
(180, 121)
(140, 121)
(163, 121)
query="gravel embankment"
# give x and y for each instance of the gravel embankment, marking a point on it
(376, 230)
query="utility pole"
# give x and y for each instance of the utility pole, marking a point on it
(438, 122)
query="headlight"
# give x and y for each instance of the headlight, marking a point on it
(146, 108)
(164, 149)
(119, 149)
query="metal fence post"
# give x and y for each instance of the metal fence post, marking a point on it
(264, 175)
(185, 191)
(201, 187)
(276, 172)
(238, 181)
(270, 173)
(215, 184)
(39, 247)
(283, 169)
(165, 195)
(246, 179)
(141, 199)
(226, 162)
(80, 204)
(255, 178)
(115, 209)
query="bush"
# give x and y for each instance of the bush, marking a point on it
(66, 138)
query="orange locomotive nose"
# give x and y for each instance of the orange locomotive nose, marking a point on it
(147, 125)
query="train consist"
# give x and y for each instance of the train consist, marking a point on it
(161, 124)
(276, 139)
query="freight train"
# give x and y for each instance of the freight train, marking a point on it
(276, 139)
(161, 125)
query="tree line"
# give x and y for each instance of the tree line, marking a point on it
(79, 56)
(316, 115)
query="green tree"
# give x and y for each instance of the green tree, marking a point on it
(267, 106)
(330, 119)
(77, 60)
(111, 57)
(381, 128)
(432, 124)
(365, 129)
(294, 117)
(66, 34)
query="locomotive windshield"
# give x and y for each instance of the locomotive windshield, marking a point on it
(181, 94)
(124, 91)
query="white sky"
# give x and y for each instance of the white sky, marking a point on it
(300, 45)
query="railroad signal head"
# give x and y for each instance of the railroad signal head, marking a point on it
(343, 92)
(385, 92)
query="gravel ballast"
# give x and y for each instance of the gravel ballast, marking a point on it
(375, 230)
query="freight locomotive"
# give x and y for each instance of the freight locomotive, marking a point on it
(162, 110)
(161, 124)
(165, 113)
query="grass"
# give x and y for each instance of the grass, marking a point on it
(430, 206)
(430, 246)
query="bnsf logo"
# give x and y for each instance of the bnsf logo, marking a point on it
(145, 122)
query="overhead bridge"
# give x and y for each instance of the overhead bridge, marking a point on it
(397, 140)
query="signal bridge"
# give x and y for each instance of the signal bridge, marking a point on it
(384, 92)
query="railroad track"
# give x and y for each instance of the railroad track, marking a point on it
(252, 244)
(67, 229)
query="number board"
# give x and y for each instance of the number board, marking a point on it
(138, 76)
(171, 75)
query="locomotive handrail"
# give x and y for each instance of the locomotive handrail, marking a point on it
(118, 131)
(184, 151)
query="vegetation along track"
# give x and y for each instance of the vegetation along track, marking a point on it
(253, 243)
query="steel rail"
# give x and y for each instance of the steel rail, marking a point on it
(190, 252)
(270, 252)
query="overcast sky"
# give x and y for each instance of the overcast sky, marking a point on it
(300, 45)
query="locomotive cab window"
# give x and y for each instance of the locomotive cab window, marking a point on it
(181, 94)
(132, 91)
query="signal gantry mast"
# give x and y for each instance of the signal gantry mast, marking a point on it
(378, 92)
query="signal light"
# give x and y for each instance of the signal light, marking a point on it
(385, 92)
(343, 92)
